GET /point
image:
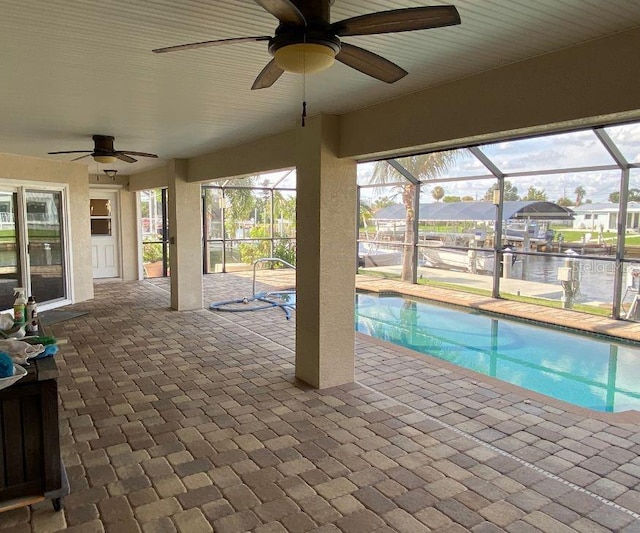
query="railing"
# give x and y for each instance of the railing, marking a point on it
(267, 260)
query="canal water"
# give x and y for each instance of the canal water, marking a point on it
(596, 277)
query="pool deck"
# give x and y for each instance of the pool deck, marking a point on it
(194, 422)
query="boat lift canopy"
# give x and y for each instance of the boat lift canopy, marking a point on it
(452, 211)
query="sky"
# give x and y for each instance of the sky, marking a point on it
(572, 150)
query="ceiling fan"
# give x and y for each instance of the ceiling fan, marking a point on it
(306, 41)
(103, 151)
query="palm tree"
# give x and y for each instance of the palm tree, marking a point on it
(437, 193)
(422, 167)
(580, 194)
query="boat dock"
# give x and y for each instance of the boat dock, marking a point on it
(532, 289)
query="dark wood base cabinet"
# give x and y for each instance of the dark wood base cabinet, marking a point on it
(30, 465)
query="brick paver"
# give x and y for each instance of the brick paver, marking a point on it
(193, 421)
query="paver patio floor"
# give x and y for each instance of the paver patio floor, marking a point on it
(193, 422)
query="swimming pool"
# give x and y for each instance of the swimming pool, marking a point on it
(584, 370)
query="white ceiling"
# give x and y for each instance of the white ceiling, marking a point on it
(74, 68)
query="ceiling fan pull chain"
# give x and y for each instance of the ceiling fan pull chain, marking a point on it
(304, 82)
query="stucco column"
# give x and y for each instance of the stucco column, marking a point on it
(326, 266)
(185, 238)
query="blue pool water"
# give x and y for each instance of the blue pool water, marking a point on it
(584, 370)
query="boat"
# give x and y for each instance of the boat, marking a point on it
(370, 254)
(452, 259)
(517, 231)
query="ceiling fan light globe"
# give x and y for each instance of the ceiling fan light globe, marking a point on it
(305, 58)
(106, 159)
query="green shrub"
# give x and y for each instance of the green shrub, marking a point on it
(151, 252)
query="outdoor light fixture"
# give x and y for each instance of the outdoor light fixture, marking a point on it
(305, 58)
(111, 172)
(106, 159)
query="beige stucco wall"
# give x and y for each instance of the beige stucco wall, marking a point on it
(31, 169)
(129, 235)
(149, 179)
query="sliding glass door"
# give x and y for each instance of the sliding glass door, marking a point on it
(32, 248)
(10, 263)
(45, 245)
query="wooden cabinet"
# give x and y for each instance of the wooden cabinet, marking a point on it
(30, 465)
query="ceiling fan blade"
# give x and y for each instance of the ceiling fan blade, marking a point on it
(141, 154)
(284, 11)
(124, 157)
(370, 64)
(71, 152)
(205, 44)
(82, 156)
(269, 75)
(398, 20)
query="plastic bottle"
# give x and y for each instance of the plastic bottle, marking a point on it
(19, 306)
(32, 315)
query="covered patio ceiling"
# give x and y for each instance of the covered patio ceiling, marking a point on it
(74, 69)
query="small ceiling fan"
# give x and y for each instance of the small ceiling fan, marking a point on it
(306, 41)
(103, 151)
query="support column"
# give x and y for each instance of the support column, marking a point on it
(326, 266)
(185, 238)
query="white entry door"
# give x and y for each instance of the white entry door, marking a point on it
(105, 235)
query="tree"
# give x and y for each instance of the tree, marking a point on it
(564, 202)
(284, 210)
(533, 194)
(451, 199)
(366, 213)
(580, 194)
(632, 196)
(437, 193)
(382, 202)
(510, 192)
(422, 167)
(240, 204)
(468, 198)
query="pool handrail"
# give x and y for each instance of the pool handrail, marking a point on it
(267, 260)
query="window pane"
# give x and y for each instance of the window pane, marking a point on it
(284, 210)
(379, 173)
(566, 150)
(240, 255)
(214, 256)
(632, 229)
(288, 181)
(100, 207)
(101, 226)
(448, 164)
(627, 138)
(240, 212)
(630, 306)
(10, 272)
(213, 213)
